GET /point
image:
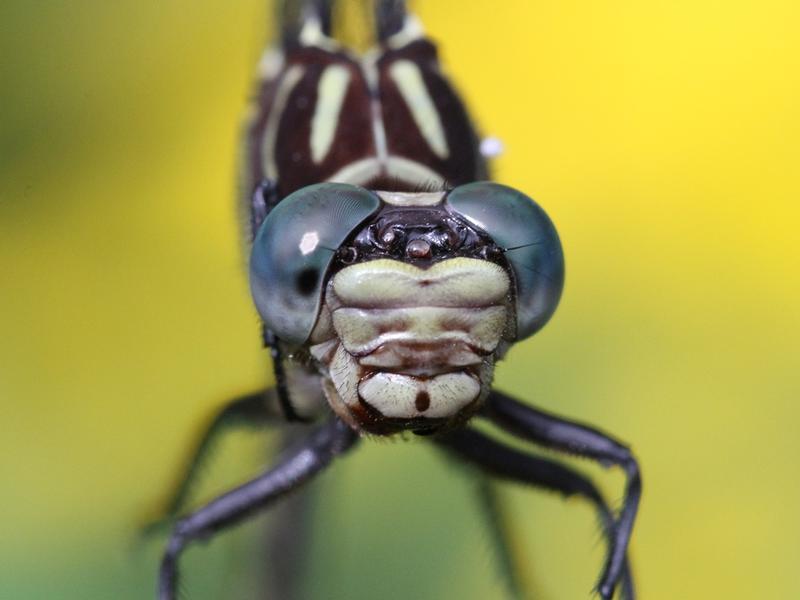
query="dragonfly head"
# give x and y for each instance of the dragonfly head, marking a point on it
(405, 301)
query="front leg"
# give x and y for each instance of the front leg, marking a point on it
(253, 410)
(560, 434)
(298, 466)
(505, 462)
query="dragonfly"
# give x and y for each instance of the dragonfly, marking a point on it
(390, 276)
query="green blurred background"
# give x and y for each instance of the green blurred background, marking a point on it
(662, 138)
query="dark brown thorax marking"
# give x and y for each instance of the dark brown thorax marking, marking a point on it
(463, 162)
(280, 138)
(397, 124)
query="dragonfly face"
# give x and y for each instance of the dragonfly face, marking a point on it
(405, 301)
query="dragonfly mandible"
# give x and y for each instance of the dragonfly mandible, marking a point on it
(390, 277)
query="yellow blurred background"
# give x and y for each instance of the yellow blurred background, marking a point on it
(661, 137)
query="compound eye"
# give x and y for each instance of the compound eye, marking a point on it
(528, 241)
(294, 248)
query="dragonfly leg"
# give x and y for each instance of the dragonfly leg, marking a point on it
(251, 410)
(498, 524)
(581, 440)
(265, 198)
(508, 463)
(281, 380)
(294, 469)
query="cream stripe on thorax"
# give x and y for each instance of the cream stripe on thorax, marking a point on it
(407, 77)
(331, 90)
(290, 79)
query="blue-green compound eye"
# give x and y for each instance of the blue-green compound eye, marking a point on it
(294, 248)
(529, 242)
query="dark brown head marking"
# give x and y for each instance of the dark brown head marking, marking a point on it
(423, 401)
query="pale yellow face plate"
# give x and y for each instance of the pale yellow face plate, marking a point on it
(406, 344)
